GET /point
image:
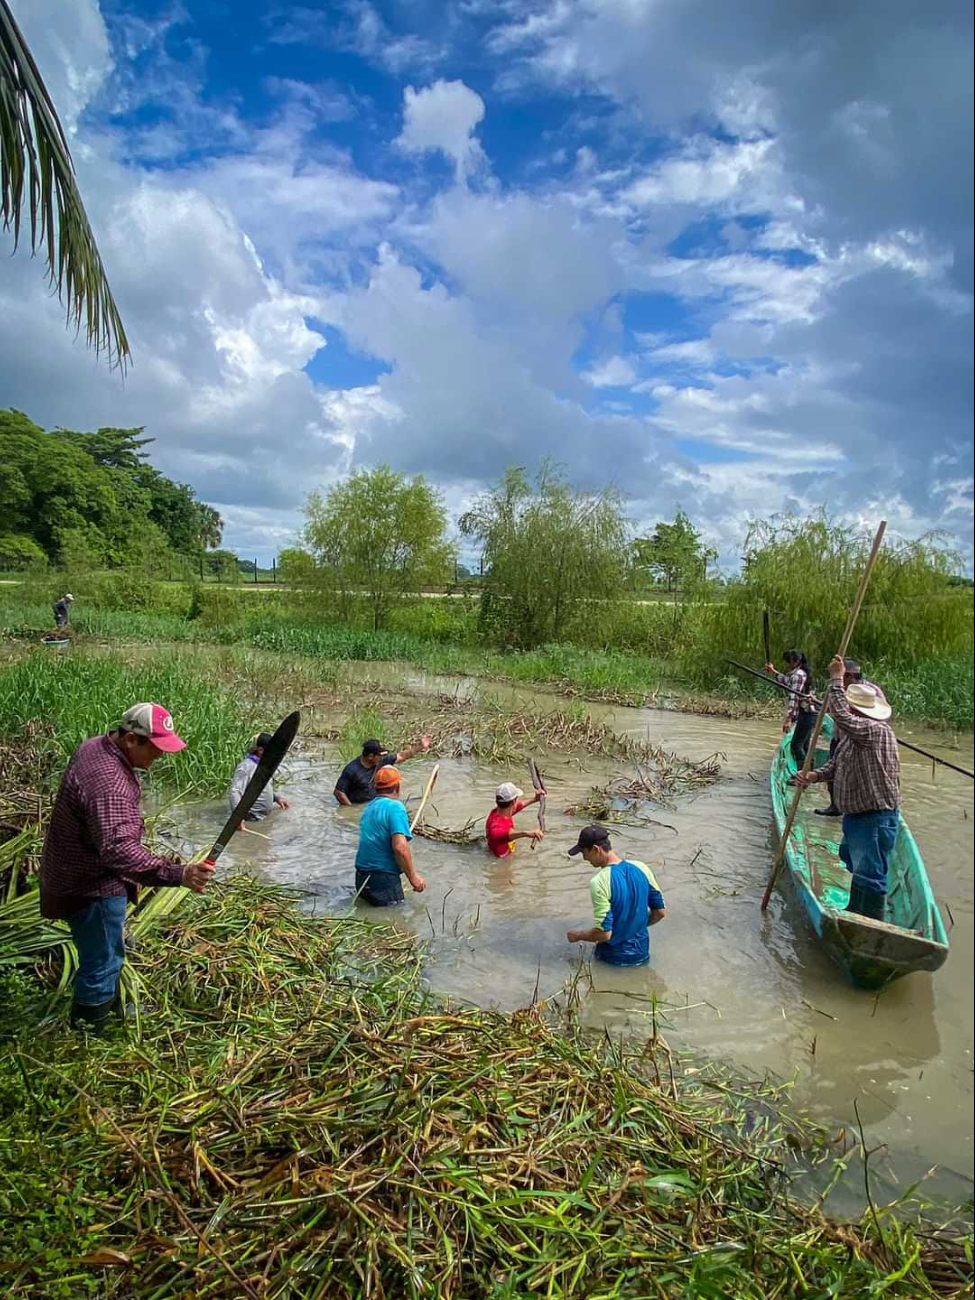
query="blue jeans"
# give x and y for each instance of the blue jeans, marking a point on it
(379, 888)
(868, 841)
(97, 934)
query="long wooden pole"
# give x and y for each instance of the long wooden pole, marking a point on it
(905, 744)
(821, 714)
(536, 777)
(426, 795)
(766, 636)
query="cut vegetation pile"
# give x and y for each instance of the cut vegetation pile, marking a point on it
(301, 1119)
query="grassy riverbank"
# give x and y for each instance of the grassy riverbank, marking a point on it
(301, 1119)
(938, 691)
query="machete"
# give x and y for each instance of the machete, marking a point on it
(267, 765)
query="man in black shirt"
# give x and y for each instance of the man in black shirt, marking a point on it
(356, 784)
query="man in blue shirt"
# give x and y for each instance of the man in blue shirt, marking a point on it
(626, 901)
(384, 845)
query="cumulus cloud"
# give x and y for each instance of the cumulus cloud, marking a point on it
(442, 118)
(753, 218)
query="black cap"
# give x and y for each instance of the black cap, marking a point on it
(373, 747)
(591, 837)
(263, 740)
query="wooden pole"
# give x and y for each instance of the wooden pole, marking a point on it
(426, 795)
(536, 777)
(811, 751)
(767, 637)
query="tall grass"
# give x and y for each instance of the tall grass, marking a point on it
(81, 695)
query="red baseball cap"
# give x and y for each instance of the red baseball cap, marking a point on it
(155, 723)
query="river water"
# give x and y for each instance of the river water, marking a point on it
(751, 990)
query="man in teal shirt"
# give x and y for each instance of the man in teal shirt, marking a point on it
(384, 852)
(626, 901)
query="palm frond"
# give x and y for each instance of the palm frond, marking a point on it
(36, 172)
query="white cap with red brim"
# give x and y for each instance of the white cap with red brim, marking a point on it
(155, 723)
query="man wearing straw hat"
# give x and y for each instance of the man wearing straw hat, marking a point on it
(93, 859)
(865, 775)
(384, 852)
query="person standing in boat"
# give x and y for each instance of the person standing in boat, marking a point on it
(800, 715)
(865, 776)
(852, 673)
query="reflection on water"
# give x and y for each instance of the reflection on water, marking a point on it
(752, 990)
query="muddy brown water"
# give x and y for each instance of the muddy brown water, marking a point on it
(755, 992)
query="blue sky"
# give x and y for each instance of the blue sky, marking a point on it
(718, 254)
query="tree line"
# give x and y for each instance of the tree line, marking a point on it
(68, 496)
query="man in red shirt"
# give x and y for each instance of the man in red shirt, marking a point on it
(500, 824)
(94, 860)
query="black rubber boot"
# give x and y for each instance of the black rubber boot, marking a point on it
(94, 1019)
(831, 811)
(866, 902)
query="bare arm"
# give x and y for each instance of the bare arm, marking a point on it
(595, 935)
(411, 751)
(404, 860)
(657, 914)
(342, 798)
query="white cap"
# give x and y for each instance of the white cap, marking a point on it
(68, 596)
(507, 792)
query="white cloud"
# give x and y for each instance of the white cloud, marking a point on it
(442, 118)
(614, 372)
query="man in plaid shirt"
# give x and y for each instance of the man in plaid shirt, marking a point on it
(94, 860)
(865, 775)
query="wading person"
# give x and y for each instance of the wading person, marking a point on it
(267, 799)
(626, 901)
(865, 776)
(384, 852)
(357, 783)
(800, 714)
(500, 825)
(62, 608)
(852, 672)
(94, 860)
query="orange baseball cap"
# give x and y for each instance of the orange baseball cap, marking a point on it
(387, 776)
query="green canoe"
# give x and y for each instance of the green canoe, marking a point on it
(871, 952)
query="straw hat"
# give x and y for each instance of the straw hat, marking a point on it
(867, 701)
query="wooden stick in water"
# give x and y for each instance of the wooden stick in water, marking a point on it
(536, 777)
(811, 751)
(426, 795)
(766, 636)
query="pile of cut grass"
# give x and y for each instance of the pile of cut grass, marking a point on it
(301, 1120)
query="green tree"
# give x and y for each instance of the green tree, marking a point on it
(806, 572)
(296, 565)
(210, 526)
(36, 173)
(378, 534)
(674, 554)
(18, 551)
(548, 552)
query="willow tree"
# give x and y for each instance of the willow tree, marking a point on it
(38, 187)
(548, 551)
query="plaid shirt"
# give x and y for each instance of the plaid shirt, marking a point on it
(797, 680)
(93, 847)
(865, 768)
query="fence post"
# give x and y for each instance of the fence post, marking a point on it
(274, 569)
(256, 575)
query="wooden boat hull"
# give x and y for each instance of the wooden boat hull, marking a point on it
(872, 953)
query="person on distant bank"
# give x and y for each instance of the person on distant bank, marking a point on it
(384, 852)
(865, 775)
(357, 783)
(500, 824)
(267, 799)
(62, 608)
(852, 673)
(626, 901)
